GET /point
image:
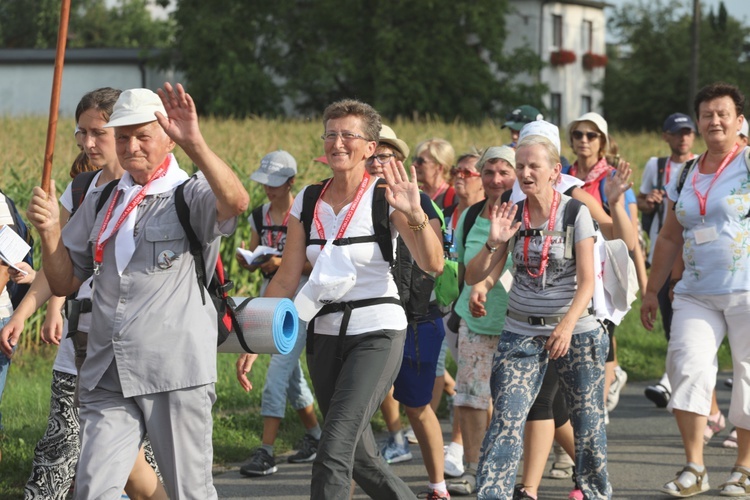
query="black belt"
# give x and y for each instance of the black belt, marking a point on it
(542, 320)
(346, 308)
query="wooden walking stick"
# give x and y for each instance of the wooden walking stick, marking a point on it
(54, 103)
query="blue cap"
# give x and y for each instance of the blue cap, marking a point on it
(678, 121)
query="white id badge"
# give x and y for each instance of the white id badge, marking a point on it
(506, 279)
(705, 234)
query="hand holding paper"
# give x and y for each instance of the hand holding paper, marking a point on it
(258, 256)
(12, 248)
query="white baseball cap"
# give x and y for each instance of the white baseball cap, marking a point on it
(134, 107)
(332, 277)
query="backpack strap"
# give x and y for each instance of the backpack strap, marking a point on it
(380, 220)
(105, 194)
(471, 217)
(661, 167)
(570, 215)
(79, 187)
(257, 215)
(686, 169)
(196, 249)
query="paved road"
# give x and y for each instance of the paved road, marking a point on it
(644, 453)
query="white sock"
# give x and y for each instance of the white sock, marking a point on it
(457, 448)
(398, 437)
(733, 488)
(687, 479)
(438, 486)
(665, 382)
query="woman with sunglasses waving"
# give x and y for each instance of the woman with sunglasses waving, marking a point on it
(588, 136)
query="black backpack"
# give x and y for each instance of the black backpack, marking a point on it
(15, 291)
(647, 220)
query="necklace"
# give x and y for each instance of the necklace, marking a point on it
(345, 200)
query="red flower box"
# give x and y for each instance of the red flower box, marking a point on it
(562, 57)
(591, 60)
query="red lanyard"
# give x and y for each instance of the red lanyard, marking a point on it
(349, 214)
(271, 242)
(99, 252)
(703, 198)
(547, 239)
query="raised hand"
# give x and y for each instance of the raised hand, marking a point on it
(616, 185)
(502, 227)
(403, 194)
(43, 211)
(181, 122)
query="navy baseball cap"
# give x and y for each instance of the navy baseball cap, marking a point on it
(678, 121)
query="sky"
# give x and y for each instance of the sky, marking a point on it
(739, 9)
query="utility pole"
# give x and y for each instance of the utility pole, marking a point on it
(694, 52)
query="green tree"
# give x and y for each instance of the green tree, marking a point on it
(128, 24)
(406, 58)
(648, 75)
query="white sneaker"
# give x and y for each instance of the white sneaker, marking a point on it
(410, 436)
(621, 378)
(454, 460)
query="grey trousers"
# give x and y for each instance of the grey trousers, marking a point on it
(349, 391)
(113, 427)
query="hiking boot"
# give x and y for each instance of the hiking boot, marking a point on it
(621, 378)
(395, 453)
(466, 485)
(658, 394)
(714, 425)
(434, 495)
(454, 461)
(260, 464)
(307, 450)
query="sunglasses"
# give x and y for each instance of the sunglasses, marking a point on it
(418, 161)
(463, 173)
(578, 135)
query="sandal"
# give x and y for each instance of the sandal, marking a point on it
(731, 440)
(713, 427)
(519, 493)
(741, 483)
(466, 485)
(700, 486)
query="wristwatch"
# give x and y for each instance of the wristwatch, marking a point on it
(489, 248)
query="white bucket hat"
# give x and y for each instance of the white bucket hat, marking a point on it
(134, 107)
(597, 120)
(331, 278)
(544, 129)
(388, 136)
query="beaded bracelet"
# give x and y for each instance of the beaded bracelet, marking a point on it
(419, 227)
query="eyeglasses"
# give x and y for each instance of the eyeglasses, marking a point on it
(345, 136)
(463, 173)
(382, 158)
(418, 161)
(578, 135)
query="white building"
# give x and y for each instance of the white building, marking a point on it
(26, 77)
(569, 35)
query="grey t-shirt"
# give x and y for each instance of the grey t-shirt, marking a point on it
(549, 295)
(151, 320)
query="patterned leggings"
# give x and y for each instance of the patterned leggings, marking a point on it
(56, 453)
(518, 369)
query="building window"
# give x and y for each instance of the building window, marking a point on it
(587, 37)
(557, 32)
(585, 104)
(555, 104)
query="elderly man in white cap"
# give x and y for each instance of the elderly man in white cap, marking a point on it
(150, 366)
